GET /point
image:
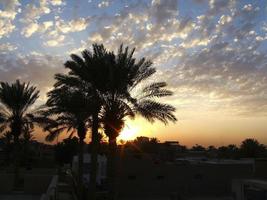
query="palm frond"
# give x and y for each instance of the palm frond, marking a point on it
(152, 110)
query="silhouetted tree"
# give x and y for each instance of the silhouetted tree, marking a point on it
(230, 151)
(110, 79)
(123, 102)
(91, 74)
(252, 148)
(198, 147)
(16, 100)
(70, 110)
(65, 150)
(211, 148)
(146, 144)
(27, 151)
(7, 144)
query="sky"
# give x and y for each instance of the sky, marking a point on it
(212, 54)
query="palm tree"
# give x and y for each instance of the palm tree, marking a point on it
(7, 138)
(71, 111)
(16, 100)
(90, 74)
(112, 78)
(130, 101)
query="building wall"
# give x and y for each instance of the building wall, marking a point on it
(143, 177)
(260, 168)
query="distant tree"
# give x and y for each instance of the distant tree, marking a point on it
(230, 151)
(198, 147)
(146, 144)
(141, 140)
(182, 148)
(211, 148)
(252, 148)
(154, 140)
(16, 100)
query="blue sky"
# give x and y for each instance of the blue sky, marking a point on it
(212, 53)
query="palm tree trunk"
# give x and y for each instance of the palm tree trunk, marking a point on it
(16, 154)
(94, 143)
(80, 170)
(111, 168)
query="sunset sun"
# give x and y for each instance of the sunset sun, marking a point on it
(128, 133)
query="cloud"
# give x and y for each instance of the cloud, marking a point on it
(217, 54)
(38, 69)
(33, 12)
(103, 4)
(33, 27)
(7, 15)
(6, 27)
(57, 2)
(162, 10)
(55, 37)
(56, 41)
(75, 25)
(7, 47)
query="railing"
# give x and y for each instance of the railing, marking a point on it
(51, 193)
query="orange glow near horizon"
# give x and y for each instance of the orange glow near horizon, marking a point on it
(209, 129)
(129, 132)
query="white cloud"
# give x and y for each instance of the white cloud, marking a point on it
(57, 41)
(7, 47)
(75, 25)
(33, 27)
(56, 2)
(248, 7)
(224, 19)
(33, 12)
(7, 15)
(6, 27)
(103, 4)
(30, 29)
(10, 9)
(38, 69)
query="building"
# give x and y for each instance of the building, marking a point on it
(249, 189)
(145, 178)
(101, 173)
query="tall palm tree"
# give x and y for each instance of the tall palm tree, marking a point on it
(7, 138)
(112, 78)
(16, 100)
(134, 99)
(90, 74)
(71, 111)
